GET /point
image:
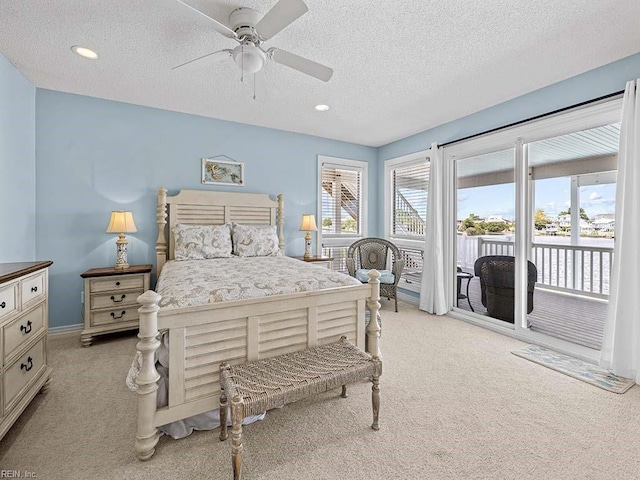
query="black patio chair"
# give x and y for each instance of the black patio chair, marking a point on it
(497, 285)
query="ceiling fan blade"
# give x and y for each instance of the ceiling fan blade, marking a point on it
(282, 14)
(217, 26)
(301, 64)
(209, 58)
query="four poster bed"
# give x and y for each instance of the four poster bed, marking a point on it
(234, 323)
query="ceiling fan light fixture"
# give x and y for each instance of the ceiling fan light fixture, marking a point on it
(84, 52)
(249, 58)
(322, 107)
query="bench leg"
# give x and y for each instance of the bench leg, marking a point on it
(223, 416)
(237, 414)
(344, 392)
(375, 400)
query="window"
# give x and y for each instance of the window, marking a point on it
(341, 205)
(409, 210)
(406, 196)
(341, 193)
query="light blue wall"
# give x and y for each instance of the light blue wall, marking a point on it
(17, 165)
(94, 156)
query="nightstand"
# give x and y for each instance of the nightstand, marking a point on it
(110, 299)
(326, 261)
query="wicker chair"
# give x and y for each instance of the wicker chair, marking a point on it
(497, 285)
(378, 253)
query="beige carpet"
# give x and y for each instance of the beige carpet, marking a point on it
(456, 404)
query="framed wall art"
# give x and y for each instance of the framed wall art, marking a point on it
(222, 172)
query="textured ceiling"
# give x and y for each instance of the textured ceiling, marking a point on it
(401, 67)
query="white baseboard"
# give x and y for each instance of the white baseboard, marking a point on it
(66, 329)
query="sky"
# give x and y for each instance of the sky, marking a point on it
(552, 195)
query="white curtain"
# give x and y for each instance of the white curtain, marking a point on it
(621, 346)
(432, 291)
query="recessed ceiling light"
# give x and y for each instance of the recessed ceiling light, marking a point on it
(84, 52)
(322, 107)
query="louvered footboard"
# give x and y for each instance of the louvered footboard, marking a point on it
(200, 338)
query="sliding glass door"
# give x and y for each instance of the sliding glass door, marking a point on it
(574, 183)
(533, 216)
(485, 234)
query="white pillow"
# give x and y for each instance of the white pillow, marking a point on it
(199, 242)
(255, 241)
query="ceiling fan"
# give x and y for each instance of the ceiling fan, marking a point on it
(250, 29)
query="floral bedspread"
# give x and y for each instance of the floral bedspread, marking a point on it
(198, 282)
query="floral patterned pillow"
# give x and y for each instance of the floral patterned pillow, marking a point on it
(255, 241)
(198, 242)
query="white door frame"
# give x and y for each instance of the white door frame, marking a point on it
(598, 114)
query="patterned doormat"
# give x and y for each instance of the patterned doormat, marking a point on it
(587, 372)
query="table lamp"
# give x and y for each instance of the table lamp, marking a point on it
(308, 225)
(121, 222)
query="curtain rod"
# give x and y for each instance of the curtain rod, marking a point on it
(581, 104)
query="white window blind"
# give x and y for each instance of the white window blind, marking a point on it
(409, 188)
(341, 201)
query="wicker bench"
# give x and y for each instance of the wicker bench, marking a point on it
(261, 385)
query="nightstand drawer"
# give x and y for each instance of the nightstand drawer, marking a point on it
(25, 369)
(115, 283)
(119, 299)
(32, 288)
(8, 299)
(118, 315)
(23, 329)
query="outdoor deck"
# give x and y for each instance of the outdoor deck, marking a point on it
(573, 318)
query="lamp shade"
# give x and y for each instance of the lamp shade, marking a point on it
(308, 223)
(121, 222)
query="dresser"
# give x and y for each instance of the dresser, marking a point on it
(24, 322)
(110, 299)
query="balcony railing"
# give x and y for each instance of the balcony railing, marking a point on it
(413, 258)
(578, 269)
(339, 255)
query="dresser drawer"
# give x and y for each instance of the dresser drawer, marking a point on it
(117, 315)
(116, 283)
(32, 288)
(118, 299)
(8, 297)
(23, 329)
(22, 371)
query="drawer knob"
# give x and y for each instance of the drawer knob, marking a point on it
(34, 289)
(117, 284)
(26, 329)
(28, 366)
(118, 301)
(120, 316)
(3, 304)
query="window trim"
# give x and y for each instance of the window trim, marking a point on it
(417, 243)
(347, 164)
(392, 163)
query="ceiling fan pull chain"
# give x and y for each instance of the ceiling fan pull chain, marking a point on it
(254, 86)
(242, 63)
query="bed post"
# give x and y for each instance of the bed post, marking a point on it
(280, 220)
(161, 243)
(147, 434)
(373, 302)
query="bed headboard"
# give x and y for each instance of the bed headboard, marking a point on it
(204, 207)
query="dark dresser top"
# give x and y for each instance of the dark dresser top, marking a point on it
(106, 271)
(9, 271)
